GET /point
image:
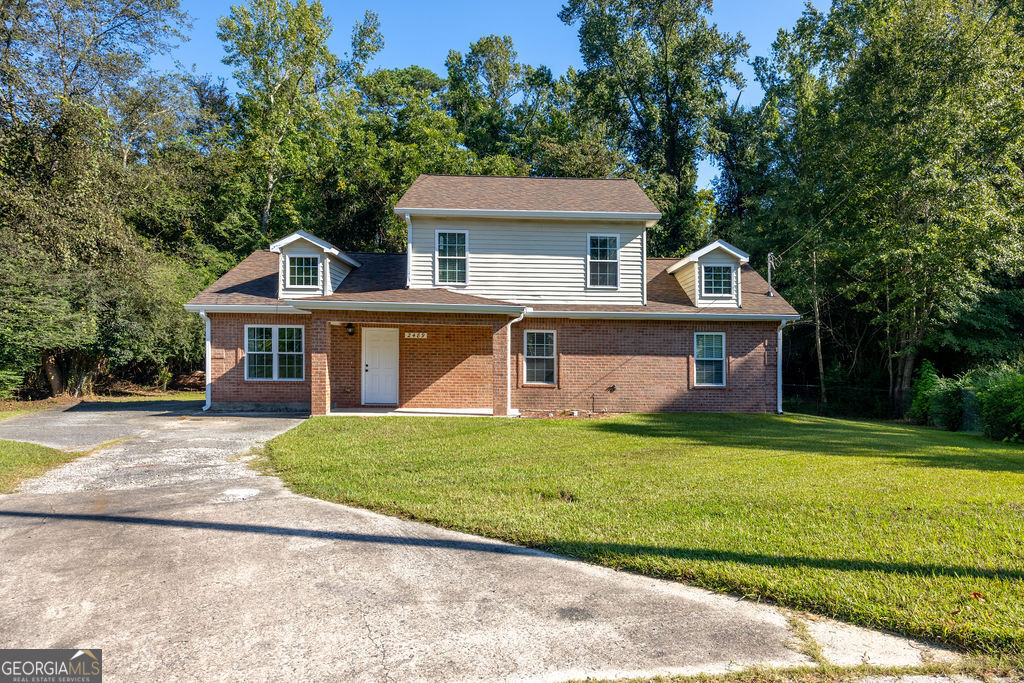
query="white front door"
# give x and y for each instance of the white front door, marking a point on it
(380, 366)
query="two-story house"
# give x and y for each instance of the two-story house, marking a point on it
(514, 296)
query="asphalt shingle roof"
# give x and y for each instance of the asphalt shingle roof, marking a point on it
(492, 193)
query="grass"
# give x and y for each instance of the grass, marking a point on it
(20, 461)
(904, 528)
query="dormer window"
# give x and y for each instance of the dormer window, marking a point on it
(303, 271)
(717, 280)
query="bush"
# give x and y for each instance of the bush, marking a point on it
(1002, 407)
(9, 381)
(945, 405)
(924, 386)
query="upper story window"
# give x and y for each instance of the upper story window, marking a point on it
(273, 352)
(717, 280)
(539, 356)
(451, 257)
(303, 271)
(603, 261)
(709, 359)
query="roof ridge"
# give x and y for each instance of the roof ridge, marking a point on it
(515, 177)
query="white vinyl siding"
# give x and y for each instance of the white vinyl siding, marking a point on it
(339, 270)
(539, 360)
(709, 359)
(274, 352)
(529, 261)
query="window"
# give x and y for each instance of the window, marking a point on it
(603, 261)
(718, 280)
(273, 352)
(539, 357)
(709, 359)
(303, 271)
(451, 257)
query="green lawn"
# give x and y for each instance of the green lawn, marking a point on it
(15, 408)
(20, 461)
(905, 528)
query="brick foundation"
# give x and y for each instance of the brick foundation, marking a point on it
(603, 365)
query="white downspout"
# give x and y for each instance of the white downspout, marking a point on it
(408, 251)
(508, 360)
(778, 369)
(209, 362)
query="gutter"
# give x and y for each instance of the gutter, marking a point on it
(209, 362)
(408, 307)
(639, 315)
(244, 308)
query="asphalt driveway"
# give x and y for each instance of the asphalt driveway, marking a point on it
(165, 550)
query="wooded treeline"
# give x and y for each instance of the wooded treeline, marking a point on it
(882, 168)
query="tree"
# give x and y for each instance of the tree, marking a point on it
(892, 164)
(655, 75)
(284, 72)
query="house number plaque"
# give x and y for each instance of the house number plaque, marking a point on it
(415, 335)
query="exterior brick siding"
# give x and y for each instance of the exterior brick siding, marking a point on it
(461, 364)
(625, 366)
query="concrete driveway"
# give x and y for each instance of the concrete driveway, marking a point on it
(168, 553)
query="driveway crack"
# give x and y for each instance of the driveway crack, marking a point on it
(377, 644)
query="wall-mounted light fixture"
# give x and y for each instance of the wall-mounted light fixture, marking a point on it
(350, 328)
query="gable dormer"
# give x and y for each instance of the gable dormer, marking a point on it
(309, 266)
(711, 276)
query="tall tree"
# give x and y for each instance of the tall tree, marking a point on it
(284, 72)
(656, 73)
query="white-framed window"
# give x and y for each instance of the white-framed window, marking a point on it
(709, 359)
(304, 272)
(451, 261)
(717, 281)
(603, 261)
(539, 356)
(274, 352)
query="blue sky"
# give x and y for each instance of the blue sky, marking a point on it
(423, 33)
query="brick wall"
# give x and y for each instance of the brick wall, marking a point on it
(461, 364)
(227, 344)
(632, 366)
(450, 368)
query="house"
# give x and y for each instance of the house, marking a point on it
(514, 296)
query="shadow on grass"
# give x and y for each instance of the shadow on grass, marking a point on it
(580, 550)
(823, 436)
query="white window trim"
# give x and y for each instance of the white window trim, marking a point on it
(288, 274)
(554, 356)
(618, 260)
(437, 259)
(732, 281)
(723, 359)
(275, 353)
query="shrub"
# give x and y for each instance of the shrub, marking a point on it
(924, 386)
(9, 381)
(1002, 408)
(945, 406)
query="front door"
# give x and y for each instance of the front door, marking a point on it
(380, 366)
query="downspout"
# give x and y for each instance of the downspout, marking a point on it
(408, 251)
(778, 369)
(508, 360)
(209, 362)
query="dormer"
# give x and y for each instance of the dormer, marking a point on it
(309, 266)
(711, 276)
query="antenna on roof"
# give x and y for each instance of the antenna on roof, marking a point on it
(771, 264)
